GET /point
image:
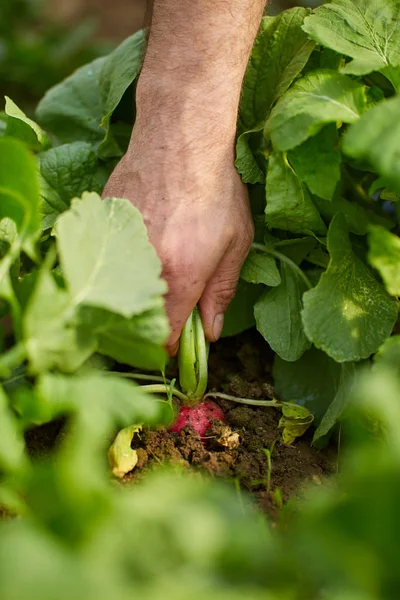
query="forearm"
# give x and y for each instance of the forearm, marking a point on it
(196, 58)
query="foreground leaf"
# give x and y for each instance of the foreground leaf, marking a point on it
(278, 316)
(319, 98)
(289, 204)
(384, 255)
(366, 31)
(19, 191)
(348, 314)
(12, 446)
(375, 139)
(137, 342)
(106, 256)
(51, 336)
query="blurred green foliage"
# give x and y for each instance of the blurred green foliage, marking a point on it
(35, 52)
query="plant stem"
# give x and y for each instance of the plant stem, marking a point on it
(274, 403)
(285, 259)
(140, 376)
(159, 388)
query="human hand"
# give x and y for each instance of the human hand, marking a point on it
(197, 213)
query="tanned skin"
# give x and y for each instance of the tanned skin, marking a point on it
(179, 168)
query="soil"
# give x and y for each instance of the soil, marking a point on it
(241, 366)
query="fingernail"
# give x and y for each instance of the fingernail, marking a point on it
(218, 325)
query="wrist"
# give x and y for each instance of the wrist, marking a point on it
(208, 107)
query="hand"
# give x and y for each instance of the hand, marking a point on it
(197, 213)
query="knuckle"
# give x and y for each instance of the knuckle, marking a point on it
(224, 291)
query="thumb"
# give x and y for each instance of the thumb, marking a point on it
(217, 295)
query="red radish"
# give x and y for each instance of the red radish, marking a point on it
(199, 417)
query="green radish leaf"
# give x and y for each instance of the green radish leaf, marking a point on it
(365, 31)
(260, 268)
(51, 337)
(311, 381)
(340, 402)
(319, 98)
(137, 342)
(375, 141)
(79, 108)
(106, 257)
(240, 313)
(12, 446)
(388, 355)
(246, 162)
(278, 316)
(348, 314)
(19, 126)
(358, 218)
(289, 204)
(317, 162)
(72, 110)
(384, 256)
(280, 52)
(19, 192)
(104, 401)
(65, 173)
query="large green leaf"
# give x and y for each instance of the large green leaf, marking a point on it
(311, 381)
(316, 99)
(106, 257)
(289, 204)
(111, 301)
(348, 314)
(65, 173)
(384, 255)
(278, 316)
(79, 108)
(375, 139)
(279, 54)
(317, 162)
(366, 31)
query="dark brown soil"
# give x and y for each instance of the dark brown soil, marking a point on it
(241, 366)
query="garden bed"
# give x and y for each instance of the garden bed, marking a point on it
(241, 366)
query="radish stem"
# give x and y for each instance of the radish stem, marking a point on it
(159, 388)
(274, 403)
